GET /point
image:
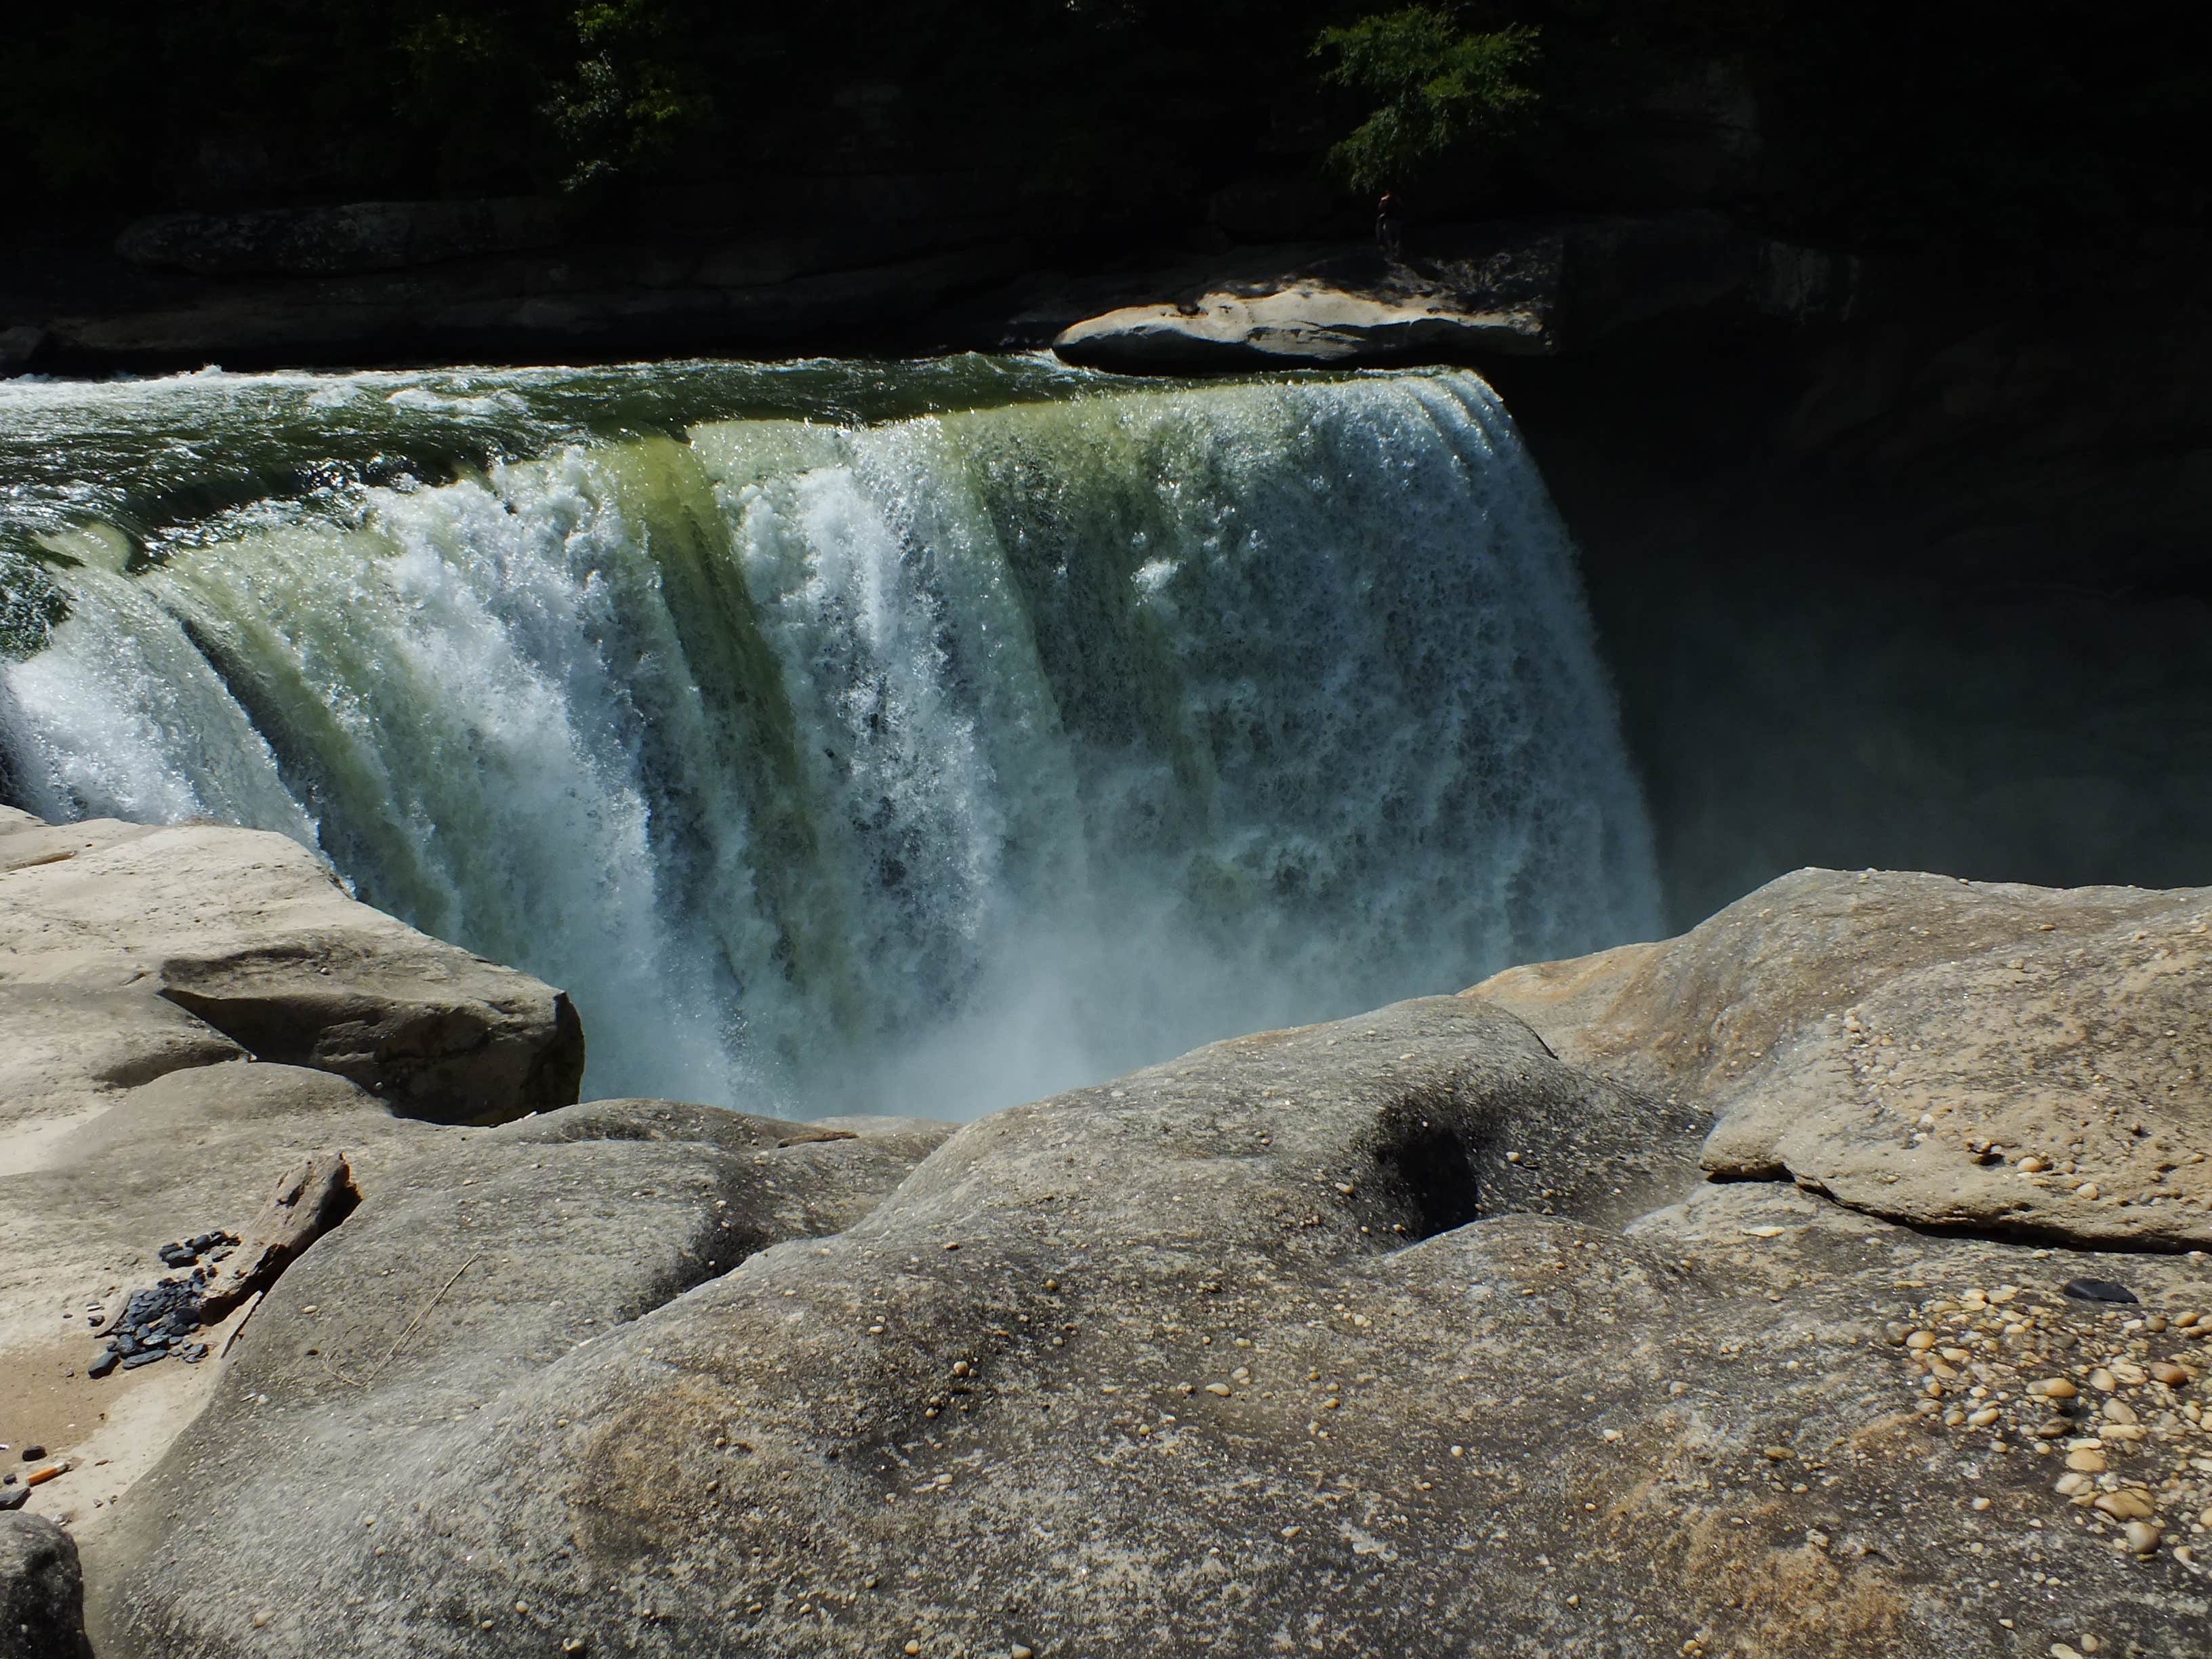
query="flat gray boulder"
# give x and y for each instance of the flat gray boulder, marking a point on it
(1671, 1302)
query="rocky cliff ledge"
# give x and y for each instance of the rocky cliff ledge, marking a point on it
(518, 281)
(1827, 1281)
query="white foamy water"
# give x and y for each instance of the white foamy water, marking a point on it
(908, 761)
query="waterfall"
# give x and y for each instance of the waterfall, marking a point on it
(982, 735)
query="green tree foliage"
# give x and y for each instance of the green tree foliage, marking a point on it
(1440, 82)
(2008, 126)
(631, 98)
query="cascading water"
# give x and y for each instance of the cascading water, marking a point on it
(996, 730)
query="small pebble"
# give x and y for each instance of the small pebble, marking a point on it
(2143, 1537)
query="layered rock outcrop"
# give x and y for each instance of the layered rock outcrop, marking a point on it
(126, 953)
(184, 1013)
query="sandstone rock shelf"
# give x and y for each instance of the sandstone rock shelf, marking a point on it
(1452, 1329)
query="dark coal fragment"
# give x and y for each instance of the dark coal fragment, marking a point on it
(2098, 1290)
(32, 1453)
(144, 1356)
(14, 1497)
(193, 1353)
(177, 1255)
(104, 1364)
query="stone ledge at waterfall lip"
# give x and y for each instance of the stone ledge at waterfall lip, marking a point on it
(1428, 1314)
(109, 929)
(1308, 326)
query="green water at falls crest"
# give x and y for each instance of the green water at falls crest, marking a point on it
(912, 759)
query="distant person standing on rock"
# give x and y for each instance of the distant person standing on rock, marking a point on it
(1390, 228)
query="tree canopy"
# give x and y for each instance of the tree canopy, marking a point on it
(1881, 121)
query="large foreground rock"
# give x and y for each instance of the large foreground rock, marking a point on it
(41, 1591)
(1398, 1336)
(183, 1013)
(1626, 1307)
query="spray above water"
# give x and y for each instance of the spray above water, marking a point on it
(920, 760)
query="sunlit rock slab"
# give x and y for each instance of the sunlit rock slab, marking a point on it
(1937, 1052)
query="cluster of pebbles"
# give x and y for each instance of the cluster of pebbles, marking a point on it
(158, 1321)
(2089, 1379)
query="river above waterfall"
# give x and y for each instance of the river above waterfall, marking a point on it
(844, 737)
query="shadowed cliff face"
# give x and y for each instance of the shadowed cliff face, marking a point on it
(1924, 593)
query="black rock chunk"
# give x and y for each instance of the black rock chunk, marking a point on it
(32, 1453)
(144, 1356)
(14, 1497)
(2098, 1290)
(193, 1353)
(104, 1364)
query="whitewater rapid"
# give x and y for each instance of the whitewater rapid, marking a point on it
(946, 748)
